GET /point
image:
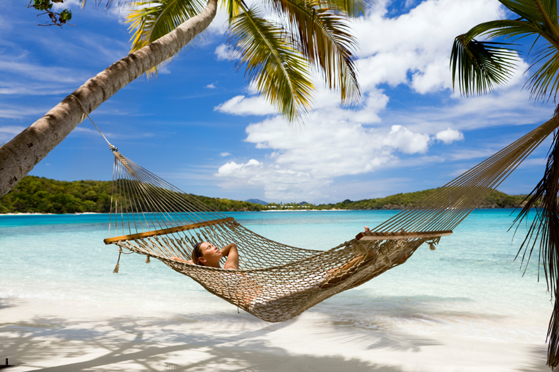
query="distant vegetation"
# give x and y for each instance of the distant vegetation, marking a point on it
(495, 199)
(43, 195)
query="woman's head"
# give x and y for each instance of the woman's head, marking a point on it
(206, 254)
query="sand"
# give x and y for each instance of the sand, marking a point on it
(48, 335)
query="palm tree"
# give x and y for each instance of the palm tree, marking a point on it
(477, 67)
(279, 56)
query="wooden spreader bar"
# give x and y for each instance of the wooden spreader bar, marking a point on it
(401, 235)
(167, 231)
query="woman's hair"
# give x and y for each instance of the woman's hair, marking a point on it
(197, 253)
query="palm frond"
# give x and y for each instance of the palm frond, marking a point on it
(544, 82)
(232, 7)
(550, 7)
(509, 29)
(351, 8)
(152, 20)
(108, 3)
(541, 13)
(322, 33)
(477, 66)
(527, 9)
(544, 232)
(280, 72)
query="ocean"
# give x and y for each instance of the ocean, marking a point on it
(470, 286)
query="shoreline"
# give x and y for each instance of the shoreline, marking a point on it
(240, 211)
(48, 214)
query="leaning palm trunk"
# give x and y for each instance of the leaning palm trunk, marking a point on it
(19, 156)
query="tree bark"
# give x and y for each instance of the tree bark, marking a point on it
(23, 152)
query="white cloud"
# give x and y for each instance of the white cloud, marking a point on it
(19, 112)
(239, 170)
(66, 4)
(304, 160)
(449, 135)
(211, 86)
(241, 105)
(220, 23)
(406, 141)
(393, 47)
(225, 52)
(225, 154)
(42, 73)
(505, 107)
(117, 9)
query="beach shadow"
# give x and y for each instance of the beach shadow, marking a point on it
(126, 342)
(537, 361)
(6, 303)
(226, 359)
(427, 309)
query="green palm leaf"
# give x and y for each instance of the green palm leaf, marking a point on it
(152, 20)
(351, 8)
(321, 32)
(480, 65)
(279, 71)
(544, 82)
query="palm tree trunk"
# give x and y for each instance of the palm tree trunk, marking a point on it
(19, 156)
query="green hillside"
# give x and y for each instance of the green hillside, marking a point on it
(42, 195)
(495, 199)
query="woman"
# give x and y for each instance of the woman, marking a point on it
(207, 254)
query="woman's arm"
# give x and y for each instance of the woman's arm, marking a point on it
(230, 250)
(182, 260)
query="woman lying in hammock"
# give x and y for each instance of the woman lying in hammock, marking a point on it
(207, 254)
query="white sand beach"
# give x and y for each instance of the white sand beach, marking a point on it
(47, 335)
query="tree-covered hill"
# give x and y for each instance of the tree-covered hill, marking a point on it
(42, 195)
(494, 199)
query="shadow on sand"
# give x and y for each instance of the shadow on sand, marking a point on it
(182, 343)
(125, 344)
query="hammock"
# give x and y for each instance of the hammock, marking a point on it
(276, 282)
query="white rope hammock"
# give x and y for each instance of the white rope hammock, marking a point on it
(276, 282)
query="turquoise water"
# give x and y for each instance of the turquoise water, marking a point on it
(470, 285)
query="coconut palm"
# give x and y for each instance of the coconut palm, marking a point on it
(480, 65)
(279, 51)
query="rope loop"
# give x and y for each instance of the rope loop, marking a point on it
(113, 148)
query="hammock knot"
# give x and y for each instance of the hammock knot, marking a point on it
(433, 242)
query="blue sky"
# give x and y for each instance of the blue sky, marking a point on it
(201, 126)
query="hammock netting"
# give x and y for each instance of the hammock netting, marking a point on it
(276, 282)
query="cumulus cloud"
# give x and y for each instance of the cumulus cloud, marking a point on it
(305, 160)
(406, 141)
(239, 170)
(242, 105)
(226, 52)
(408, 49)
(449, 135)
(393, 47)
